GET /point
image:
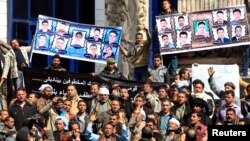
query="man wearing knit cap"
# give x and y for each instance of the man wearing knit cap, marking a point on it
(110, 70)
(46, 91)
(104, 103)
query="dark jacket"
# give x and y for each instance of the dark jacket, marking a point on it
(20, 114)
(187, 113)
(115, 74)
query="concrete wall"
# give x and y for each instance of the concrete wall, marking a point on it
(3, 21)
(99, 20)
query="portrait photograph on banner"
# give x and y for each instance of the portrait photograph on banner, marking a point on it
(76, 41)
(203, 30)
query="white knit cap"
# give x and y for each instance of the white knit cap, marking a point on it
(104, 90)
(43, 86)
(175, 121)
(65, 121)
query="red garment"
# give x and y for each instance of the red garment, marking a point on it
(200, 132)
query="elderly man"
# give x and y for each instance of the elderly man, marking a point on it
(104, 102)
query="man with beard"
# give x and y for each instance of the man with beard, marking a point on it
(56, 64)
(94, 89)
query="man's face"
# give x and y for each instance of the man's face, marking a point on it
(151, 125)
(82, 107)
(103, 97)
(32, 98)
(96, 35)
(61, 29)
(47, 92)
(165, 40)
(59, 125)
(198, 88)
(78, 37)
(236, 15)
(10, 123)
(115, 106)
(162, 93)
(56, 62)
(165, 106)
(94, 90)
(230, 116)
(112, 37)
(21, 95)
(42, 40)
(238, 32)
(220, 17)
(201, 28)
(108, 130)
(139, 39)
(183, 39)
(194, 118)
(172, 125)
(166, 5)
(124, 94)
(71, 91)
(15, 44)
(108, 50)
(164, 25)
(221, 34)
(59, 44)
(3, 115)
(157, 62)
(139, 102)
(229, 99)
(182, 98)
(67, 106)
(113, 120)
(181, 22)
(93, 50)
(111, 66)
(45, 27)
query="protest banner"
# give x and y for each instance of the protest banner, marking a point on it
(76, 41)
(60, 81)
(203, 30)
(223, 74)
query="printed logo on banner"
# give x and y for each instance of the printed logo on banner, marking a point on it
(76, 41)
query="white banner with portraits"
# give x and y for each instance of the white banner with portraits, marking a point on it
(76, 41)
(203, 30)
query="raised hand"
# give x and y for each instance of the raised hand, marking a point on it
(93, 117)
(211, 72)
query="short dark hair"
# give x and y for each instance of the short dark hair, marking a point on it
(238, 26)
(45, 21)
(146, 132)
(162, 20)
(113, 31)
(236, 10)
(148, 120)
(157, 56)
(97, 29)
(198, 81)
(164, 36)
(60, 38)
(81, 101)
(35, 94)
(21, 89)
(230, 84)
(220, 29)
(220, 12)
(183, 33)
(79, 33)
(182, 71)
(231, 109)
(56, 56)
(93, 45)
(180, 17)
(201, 23)
(15, 39)
(230, 92)
(138, 33)
(96, 83)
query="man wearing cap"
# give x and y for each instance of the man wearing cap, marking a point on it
(111, 70)
(51, 111)
(104, 103)
(199, 105)
(46, 91)
(221, 93)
